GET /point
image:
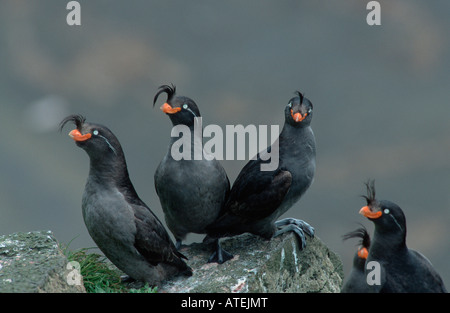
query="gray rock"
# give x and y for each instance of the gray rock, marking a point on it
(261, 266)
(33, 262)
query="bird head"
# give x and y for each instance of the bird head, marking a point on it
(97, 140)
(364, 242)
(386, 215)
(298, 112)
(181, 110)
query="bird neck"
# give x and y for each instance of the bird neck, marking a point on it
(187, 137)
(296, 136)
(289, 132)
(194, 130)
(109, 171)
(358, 263)
(388, 241)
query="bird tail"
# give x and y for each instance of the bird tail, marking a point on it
(178, 267)
(187, 271)
(183, 267)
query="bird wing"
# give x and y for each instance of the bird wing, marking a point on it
(430, 277)
(152, 239)
(257, 194)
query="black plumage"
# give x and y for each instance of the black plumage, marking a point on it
(259, 197)
(192, 190)
(402, 269)
(356, 281)
(119, 222)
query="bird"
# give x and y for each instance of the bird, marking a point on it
(191, 190)
(123, 227)
(258, 197)
(402, 270)
(356, 281)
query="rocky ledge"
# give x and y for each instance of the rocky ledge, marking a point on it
(33, 262)
(261, 266)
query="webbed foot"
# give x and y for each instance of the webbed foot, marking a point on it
(299, 228)
(220, 255)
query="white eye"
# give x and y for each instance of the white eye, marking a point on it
(95, 132)
(185, 106)
(290, 104)
(309, 110)
(386, 211)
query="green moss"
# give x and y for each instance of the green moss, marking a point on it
(98, 274)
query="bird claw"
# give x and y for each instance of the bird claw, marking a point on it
(308, 229)
(299, 228)
(220, 255)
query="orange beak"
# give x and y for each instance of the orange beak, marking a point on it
(363, 253)
(167, 108)
(77, 136)
(298, 116)
(367, 212)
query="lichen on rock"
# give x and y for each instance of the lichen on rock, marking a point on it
(262, 266)
(33, 262)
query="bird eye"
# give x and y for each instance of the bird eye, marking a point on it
(309, 110)
(386, 211)
(185, 106)
(290, 104)
(95, 132)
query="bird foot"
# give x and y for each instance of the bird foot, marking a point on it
(220, 258)
(220, 255)
(299, 228)
(293, 221)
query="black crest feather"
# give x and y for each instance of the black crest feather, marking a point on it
(300, 96)
(170, 90)
(77, 119)
(370, 197)
(361, 233)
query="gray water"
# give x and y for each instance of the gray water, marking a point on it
(380, 95)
